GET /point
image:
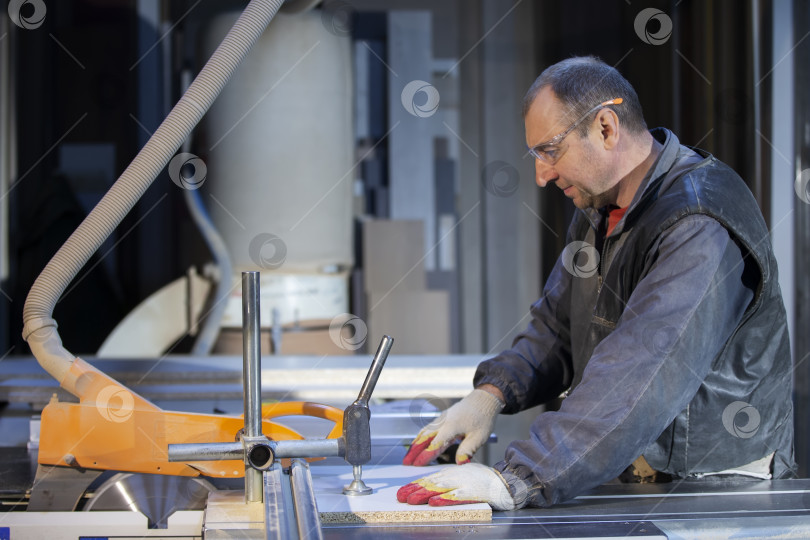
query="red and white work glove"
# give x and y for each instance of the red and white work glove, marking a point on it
(465, 484)
(472, 419)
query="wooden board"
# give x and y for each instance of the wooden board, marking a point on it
(382, 505)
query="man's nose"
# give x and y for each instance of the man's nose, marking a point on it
(544, 173)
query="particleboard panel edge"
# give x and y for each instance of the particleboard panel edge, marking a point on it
(448, 514)
(382, 505)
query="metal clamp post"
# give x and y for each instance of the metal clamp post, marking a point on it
(252, 379)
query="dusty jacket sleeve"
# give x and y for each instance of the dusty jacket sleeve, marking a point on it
(538, 366)
(630, 392)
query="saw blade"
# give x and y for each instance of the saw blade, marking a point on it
(155, 496)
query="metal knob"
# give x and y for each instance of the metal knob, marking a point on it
(357, 487)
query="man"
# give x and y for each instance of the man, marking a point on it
(662, 319)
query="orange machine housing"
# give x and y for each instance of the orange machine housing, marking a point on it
(113, 428)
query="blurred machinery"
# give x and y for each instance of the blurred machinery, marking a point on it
(271, 179)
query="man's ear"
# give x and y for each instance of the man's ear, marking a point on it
(609, 128)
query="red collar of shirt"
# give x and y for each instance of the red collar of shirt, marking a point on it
(614, 217)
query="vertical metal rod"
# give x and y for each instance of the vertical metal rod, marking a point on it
(252, 375)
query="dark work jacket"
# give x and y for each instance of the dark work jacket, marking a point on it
(669, 336)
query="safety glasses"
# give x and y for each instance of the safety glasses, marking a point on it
(553, 149)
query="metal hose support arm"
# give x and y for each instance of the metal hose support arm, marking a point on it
(210, 328)
(39, 328)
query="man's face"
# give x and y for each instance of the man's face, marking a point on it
(584, 172)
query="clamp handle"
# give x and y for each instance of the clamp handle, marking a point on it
(374, 371)
(356, 430)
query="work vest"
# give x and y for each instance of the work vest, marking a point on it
(753, 368)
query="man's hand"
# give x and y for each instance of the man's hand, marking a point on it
(472, 419)
(465, 484)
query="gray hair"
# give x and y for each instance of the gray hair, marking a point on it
(581, 82)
